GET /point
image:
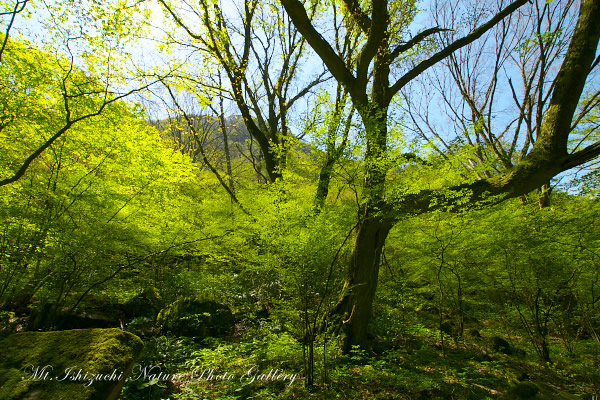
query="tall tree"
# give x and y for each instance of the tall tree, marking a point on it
(261, 54)
(95, 200)
(339, 115)
(372, 85)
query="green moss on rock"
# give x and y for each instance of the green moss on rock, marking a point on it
(146, 304)
(196, 317)
(53, 365)
(524, 390)
(536, 391)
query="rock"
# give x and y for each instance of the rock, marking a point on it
(46, 318)
(146, 304)
(85, 320)
(93, 312)
(523, 390)
(20, 303)
(196, 317)
(142, 327)
(72, 365)
(500, 345)
(41, 317)
(474, 333)
(448, 328)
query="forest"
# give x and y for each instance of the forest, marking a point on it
(299, 199)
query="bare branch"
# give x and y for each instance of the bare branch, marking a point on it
(414, 41)
(471, 37)
(19, 7)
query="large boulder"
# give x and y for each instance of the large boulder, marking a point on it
(146, 304)
(196, 317)
(500, 345)
(523, 390)
(79, 364)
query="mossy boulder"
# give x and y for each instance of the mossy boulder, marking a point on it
(523, 390)
(73, 365)
(146, 304)
(536, 391)
(196, 317)
(500, 345)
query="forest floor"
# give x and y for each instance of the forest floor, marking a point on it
(258, 364)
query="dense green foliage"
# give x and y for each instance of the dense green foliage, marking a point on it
(465, 306)
(98, 198)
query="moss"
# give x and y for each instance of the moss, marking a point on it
(196, 317)
(534, 391)
(93, 351)
(524, 390)
(147, 303)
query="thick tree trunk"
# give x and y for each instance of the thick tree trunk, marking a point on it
(363, 273)
(361, 282)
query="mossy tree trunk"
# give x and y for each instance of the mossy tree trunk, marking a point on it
(361, 281)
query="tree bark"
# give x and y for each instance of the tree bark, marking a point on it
(323, 185)
(363, 273)
(361, 281)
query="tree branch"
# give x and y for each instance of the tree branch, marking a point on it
(69, 123)
(549, 154)
(334, 63)
(581, 156)
(357, 14)
(19, 7)
(375, 37)
(401, 48)
(471, 37)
